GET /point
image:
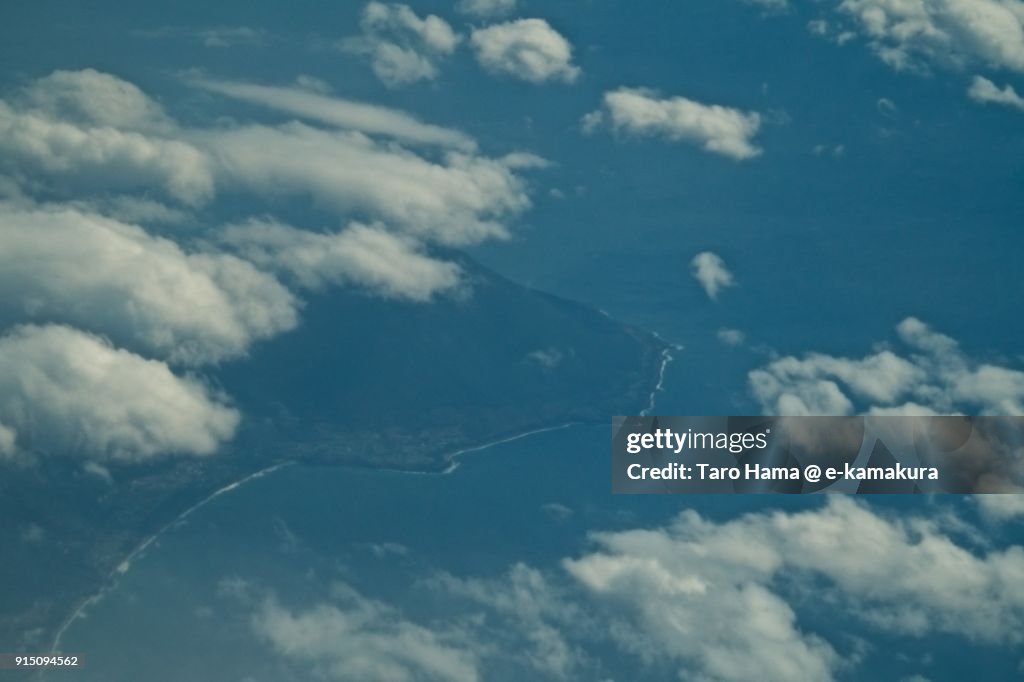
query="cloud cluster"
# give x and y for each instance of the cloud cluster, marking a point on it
(67, 393)
(528, 49)
(528, 615)
(937, 377)
(717, 129)
(711, 273)
(693, 598)
(98, 148)
(711, 595)
(142, 291)
(957, 33)
(354, 637)
(402, 47)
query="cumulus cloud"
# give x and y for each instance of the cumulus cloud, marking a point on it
(144, 292)
(354, 637)
(342, 113)
(460, 199)
(101, 157)
(717, 129)
(93, 130)
(401, 46)
(528, 49)
(957, 33)
(366, 256)
(936, 377)
(67, 393)
(985, 91)
(486, 8)
(711, 273)
(95, 98)
(711, 596)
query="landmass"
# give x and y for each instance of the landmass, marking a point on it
(362, 382)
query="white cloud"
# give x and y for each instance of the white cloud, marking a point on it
(93, 135)
(92, 130)
(461, 199)
(675, 596)
(910, 34)
(711, 273)
(343, 113)
(695, 598)
(143, 291)
(486, 8)
(712, 596)
(717, 129)
(527, 615)
(354, 637)
(102, 157)
(402, 47)
(1001, 506)
(366, 256)
(985, 91)
(937, 377)
(731, 337)
(94, 98)
(67, 393)
(528, 49)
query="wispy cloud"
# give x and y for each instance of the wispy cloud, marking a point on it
(985, 91)
(337, 111)
(486, 8)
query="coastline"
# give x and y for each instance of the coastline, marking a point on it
(125, 565)
(666, 360)
(451, 460)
